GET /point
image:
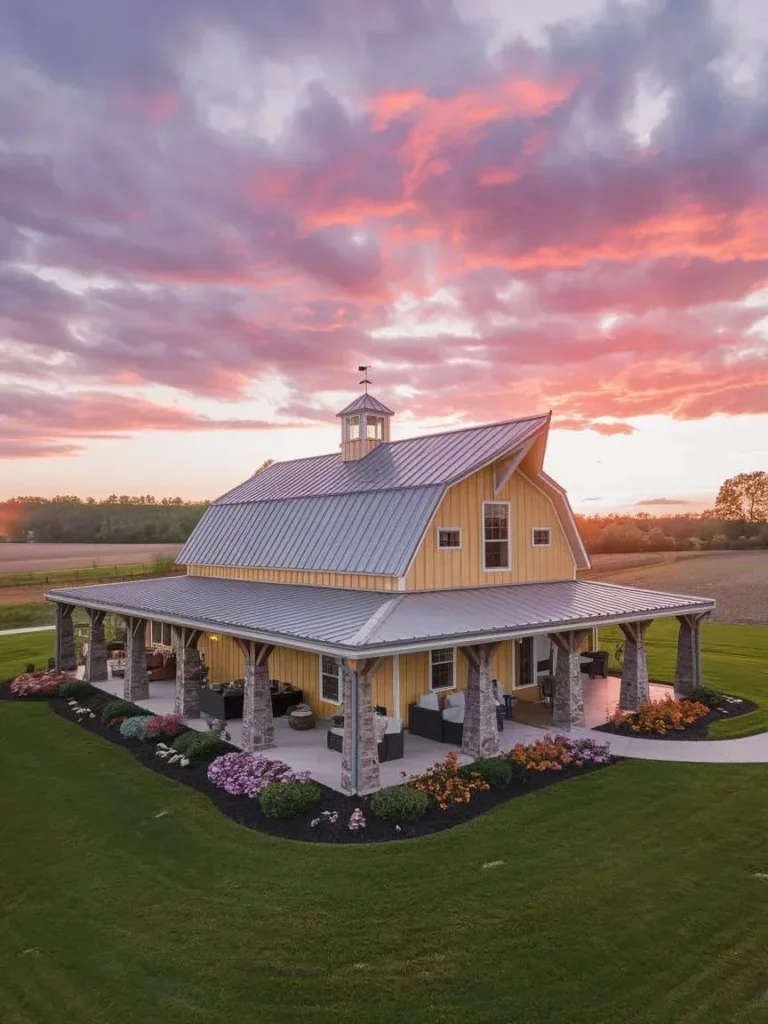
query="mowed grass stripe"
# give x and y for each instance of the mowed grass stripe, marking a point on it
(627, 895)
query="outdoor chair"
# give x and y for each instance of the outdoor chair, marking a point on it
(547, 688)
(390, 747)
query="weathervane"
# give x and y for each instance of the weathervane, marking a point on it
(364, 370)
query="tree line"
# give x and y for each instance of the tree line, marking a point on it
(118, 519)
(738, 519)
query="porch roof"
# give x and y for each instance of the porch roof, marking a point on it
(365, 623)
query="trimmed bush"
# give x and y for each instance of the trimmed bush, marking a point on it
(707, 695)
(164, 727)
(495, 770)
(120, 709)
(76, 688)
(135, 728)
(198, 746)
(287, 799)
(400, 803)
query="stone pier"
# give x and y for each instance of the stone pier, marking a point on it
(360, 752)
(635, 688)
(480, 736)
(136, 680)
(568, 696)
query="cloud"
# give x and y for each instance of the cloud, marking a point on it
(209, 197)
(664, 501)
(33, 425)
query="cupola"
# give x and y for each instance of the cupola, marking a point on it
(364, 426)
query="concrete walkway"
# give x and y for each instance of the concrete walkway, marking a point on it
(748, 750)
(26, 629)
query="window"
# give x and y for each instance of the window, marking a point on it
(162, 634)
(495, 535)
(450, 537)
(442, 668)
(542, 536)
(374, 429)
(330, 680)
(353, 428)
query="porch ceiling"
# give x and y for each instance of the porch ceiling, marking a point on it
(364, 623)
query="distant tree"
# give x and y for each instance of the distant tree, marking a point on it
(621, 537)
(265, 465)
(743, 499)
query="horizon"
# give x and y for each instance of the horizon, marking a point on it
(216, 213)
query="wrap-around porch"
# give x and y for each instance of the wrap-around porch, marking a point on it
(357, 768)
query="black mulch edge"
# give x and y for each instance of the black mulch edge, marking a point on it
(246, 811)
(697, 731)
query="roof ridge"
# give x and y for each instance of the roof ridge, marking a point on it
(380, 615)
(415, 437)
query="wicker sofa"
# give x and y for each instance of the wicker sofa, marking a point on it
(391, 747)
(161, 665)
(442, 725)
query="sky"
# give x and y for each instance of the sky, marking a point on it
(212, 211)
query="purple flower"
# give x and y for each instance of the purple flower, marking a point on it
(247, 774)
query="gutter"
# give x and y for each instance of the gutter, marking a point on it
(341, 650)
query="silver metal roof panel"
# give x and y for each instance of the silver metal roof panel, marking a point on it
(365, 623)
(373, 532)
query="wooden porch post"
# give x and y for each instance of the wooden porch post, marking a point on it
(136, 679)
(635, 688)
(96, 662)
(258, 721)
(568, 698)
(480, 735)
(359, 751)
(189, 671)
(66, 655)
(688, 665)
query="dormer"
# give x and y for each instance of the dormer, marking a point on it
(364, 426)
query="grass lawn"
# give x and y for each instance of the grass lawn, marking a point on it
(16, 652)
(60, 577)
(32, 613)
(734, 659)
(628, 895)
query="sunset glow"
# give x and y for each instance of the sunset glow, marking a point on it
(215, 211)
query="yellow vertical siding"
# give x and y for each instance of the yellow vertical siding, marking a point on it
(356, 581)
(301, 668)
(462, 507)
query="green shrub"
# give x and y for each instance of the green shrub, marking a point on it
(120, 709)
(287, 799)
(76, 688)
(400, 803)
(135, 728)
(198, 746)
(495, 770)
(707, 695)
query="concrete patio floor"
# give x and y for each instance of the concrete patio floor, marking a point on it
(306, 750)
(600, 699)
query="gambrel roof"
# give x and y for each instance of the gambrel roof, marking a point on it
(367, 516)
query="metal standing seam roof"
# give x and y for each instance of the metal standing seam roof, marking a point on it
(365, 623)
(365, 403)
(326, 515)
(373, 533)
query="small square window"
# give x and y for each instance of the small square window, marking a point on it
(542, 536)
(449, 538)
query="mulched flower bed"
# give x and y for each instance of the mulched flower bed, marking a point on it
(732, 707)
(247, 811)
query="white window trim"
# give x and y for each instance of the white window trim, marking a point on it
(327, 700)
(453, 529)
(442, 689)
(534, 529)
(508, 566)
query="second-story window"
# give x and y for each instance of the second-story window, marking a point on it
(541, 536)
(449, 537)
(496, 535)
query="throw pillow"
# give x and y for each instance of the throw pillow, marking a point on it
(429, 700)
